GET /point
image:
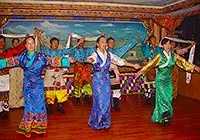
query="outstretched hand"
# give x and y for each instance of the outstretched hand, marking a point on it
(82, 39)
(55, 61)
(138, 74)
(89, 60)
(37, 32)
(71, 60)
(137, 66)
(103, 33)
(196, 68)
(11, 62)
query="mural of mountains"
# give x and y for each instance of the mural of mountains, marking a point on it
(121, 31)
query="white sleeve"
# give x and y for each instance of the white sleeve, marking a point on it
(94, 57)
(116, 60)
(77, 36)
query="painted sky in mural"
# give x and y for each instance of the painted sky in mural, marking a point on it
(121, 31)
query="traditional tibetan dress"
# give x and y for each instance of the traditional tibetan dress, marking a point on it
(100, 114)
(34, 117)
(164, 87)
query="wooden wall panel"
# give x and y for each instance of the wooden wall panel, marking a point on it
(191, 90)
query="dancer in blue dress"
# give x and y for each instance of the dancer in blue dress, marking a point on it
(101, 59)
(34, 117)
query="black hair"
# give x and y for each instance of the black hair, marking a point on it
(15, 39)
(3, 37)
(110, 38)
(29, 37)
(165, 40)
(79, 40)
(54, 38)
(98, 39)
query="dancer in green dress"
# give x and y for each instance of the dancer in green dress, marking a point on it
(165, 62)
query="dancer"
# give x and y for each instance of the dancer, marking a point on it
(82, 76)
(4, 75)
(16, 74)
(149, 48)
(34, 117)
(101, 59)
(54, 84)
(165, 62)
(114, 72)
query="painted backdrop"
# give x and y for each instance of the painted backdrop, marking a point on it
(122, 32)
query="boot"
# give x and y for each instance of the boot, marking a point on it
(116, 104)
(166, 118)
(86, 99)
(4, 115)
(107, 129)
(60, 108)
(78, 100)
(48, 107)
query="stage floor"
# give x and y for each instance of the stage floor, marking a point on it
(131, 123)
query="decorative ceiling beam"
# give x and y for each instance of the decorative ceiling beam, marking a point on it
(78, 7)
(31, 8)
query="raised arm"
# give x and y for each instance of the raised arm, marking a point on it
(153, 63)
(48, 51)
(124, 49)
(15, 51)
(59, 53)
(86, 37)
(81, 40)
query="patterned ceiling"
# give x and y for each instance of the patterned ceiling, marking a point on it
(119, 10)
(130, 2)
(137, 2)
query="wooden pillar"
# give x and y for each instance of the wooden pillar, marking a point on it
(156, 32)
(163, 32)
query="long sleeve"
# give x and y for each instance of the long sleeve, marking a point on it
(15, 51)
(3, 63)
(90, 50)
(116, 60)
(183, 64)
(124, 49)
(9, 62)
(63, 61)
(87, 38)
(145, 49)
(153, 63)
(59, 53)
